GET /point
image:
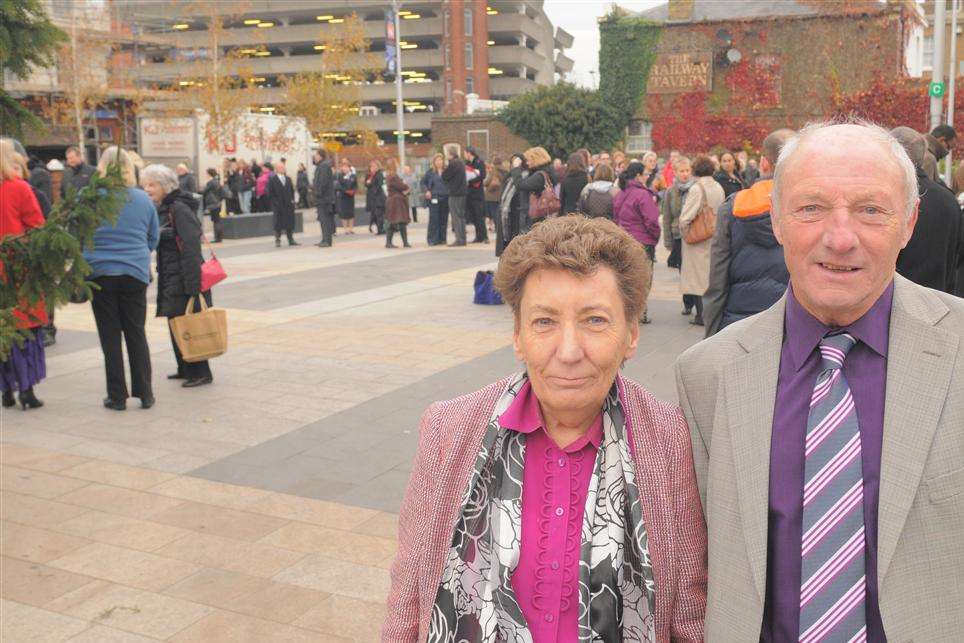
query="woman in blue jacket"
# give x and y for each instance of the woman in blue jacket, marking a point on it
(121, 259)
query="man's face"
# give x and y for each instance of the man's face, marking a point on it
(604, 159)
(279, 168)
(73, 159)
(842, 222)
(181, 170)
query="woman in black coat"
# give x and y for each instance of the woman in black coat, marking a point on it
(728, 176)
(539, 164)
(302, 185)
(179, 261)
(375, 197)
(346, 184)
(572, 184)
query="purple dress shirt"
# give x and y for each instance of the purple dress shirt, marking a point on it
(555, 482)
(866, 373)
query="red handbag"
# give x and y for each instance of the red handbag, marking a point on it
(212, 272)
(546, 203)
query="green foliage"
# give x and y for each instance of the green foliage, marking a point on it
(562, 119)
(27, 39)
(627, 49)
(47, 262)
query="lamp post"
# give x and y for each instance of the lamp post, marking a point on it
(399, 103)
(940, 25)
(952, 79)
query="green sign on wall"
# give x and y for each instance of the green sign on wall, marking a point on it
(936, 90)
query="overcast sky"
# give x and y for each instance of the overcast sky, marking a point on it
(578, 17)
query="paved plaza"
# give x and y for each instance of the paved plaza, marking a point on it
(262, 508)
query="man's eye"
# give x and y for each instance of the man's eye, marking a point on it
(596, 320)
(872, 210)
(543, 322)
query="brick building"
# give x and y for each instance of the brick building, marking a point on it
(765, 65)
(480, 130)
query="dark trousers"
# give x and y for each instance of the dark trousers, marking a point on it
(215, 215)
(376, 218)
(326, 217)
(457, 211)
(302, 197)
(415, 213)
(475, 210)
(120, 308)
(191, 370)
(438, 221)
(391, 229)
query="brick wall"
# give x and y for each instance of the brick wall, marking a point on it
(483, 131)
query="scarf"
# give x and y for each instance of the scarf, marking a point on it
(505, 201)
(475, 601)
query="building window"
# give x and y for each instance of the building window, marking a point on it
(470, 85)
(448, 91)
(927, 59)
(468, 55)
(639, 136)
(467, 20)
(448, 57)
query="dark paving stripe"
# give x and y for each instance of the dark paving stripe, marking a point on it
(362, 456)
(279, 291)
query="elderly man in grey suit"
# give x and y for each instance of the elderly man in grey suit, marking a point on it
(828, 430)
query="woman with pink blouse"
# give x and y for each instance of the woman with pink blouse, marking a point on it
(559, 504)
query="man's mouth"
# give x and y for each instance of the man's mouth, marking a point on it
(835, 267)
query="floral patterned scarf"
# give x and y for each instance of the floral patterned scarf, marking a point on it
(475, 600)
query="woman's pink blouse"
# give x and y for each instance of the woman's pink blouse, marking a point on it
(554, 488)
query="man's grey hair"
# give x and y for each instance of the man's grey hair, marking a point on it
(870, 132)
(160, 174)
(913, 143)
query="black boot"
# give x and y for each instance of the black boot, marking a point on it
(291, 240)
(277, 241)
(404, 230)
(29, 401)
(389, 234)
(8, 400)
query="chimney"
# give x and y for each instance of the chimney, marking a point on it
(681, 10)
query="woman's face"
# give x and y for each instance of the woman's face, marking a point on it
(345, 167)
(154, 190)
(438, 163)
(516, 161)
(649, 162)
(727, 162)
(572, 335)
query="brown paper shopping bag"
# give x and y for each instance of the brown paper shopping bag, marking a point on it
(200, 335)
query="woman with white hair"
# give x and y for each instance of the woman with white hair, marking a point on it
(178, 261)
(121, 267)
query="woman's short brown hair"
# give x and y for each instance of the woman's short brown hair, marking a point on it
(703, 166)
(579, 245)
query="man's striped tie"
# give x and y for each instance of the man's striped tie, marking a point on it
(832, 583)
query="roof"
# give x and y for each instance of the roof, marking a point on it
(722, 10)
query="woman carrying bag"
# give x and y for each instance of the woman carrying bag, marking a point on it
(179, 262)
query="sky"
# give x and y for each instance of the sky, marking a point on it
(578, 17)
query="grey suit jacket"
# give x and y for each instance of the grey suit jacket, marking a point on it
(727, 388)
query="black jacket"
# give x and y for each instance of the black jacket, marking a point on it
(374, 194)
(569, 191)
(932, 254)
(178, 254)
(475, 189)
(282, 200)
(40, 179)
(324, 183)
(728, 184)
(76, 178)
(212, 195)
(535, 183)
(187, 183)
(454, 178)
(346, 202)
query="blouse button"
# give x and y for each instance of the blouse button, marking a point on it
(548, 618)
(562, 462)
(559, 511)
(555, 564)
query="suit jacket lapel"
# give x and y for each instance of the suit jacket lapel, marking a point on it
(920, 358)
(751, 386)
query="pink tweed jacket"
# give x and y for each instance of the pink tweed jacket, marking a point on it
(450, 436)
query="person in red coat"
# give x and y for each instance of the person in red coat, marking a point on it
(20, 211)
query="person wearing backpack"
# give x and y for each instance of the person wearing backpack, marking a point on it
(596, 198)
(211, 199)
(702, 200)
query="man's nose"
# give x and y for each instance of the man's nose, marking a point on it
(839, 235)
